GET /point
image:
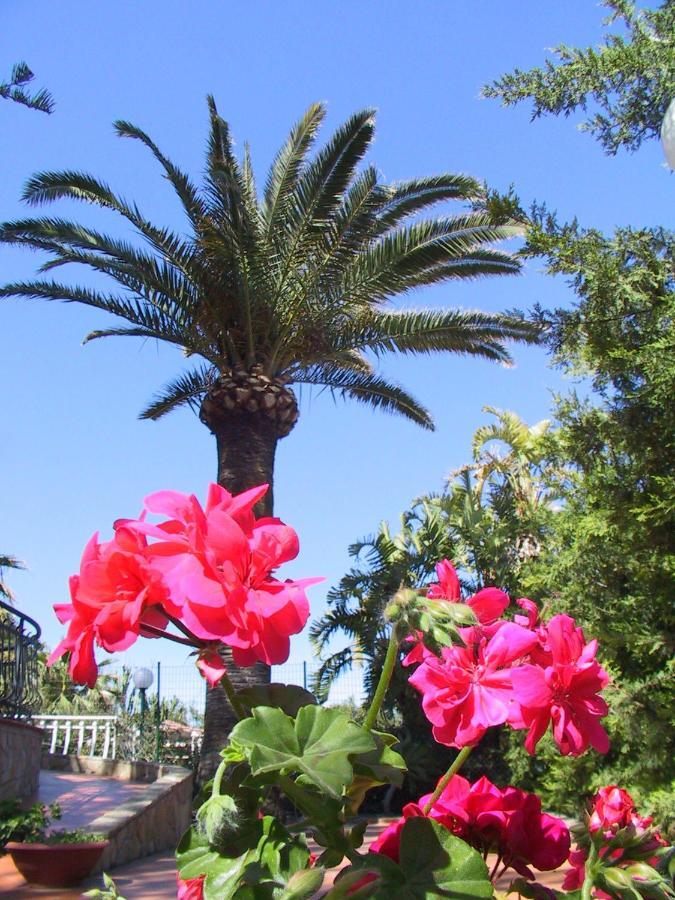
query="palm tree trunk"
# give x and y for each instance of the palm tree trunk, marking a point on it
(246, 446)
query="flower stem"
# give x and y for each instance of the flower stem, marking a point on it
(493, 873)
(385, 678)
(179, 625)
(158, 632)
(457, 764)
(589, 873)
(235, 703)
(218, 777)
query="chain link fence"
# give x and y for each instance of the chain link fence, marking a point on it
(165, 721)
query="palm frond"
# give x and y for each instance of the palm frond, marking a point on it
(427, 252)
(186, 191)
(142, 315)
(329, 671)
(370, 389)
(410, 197)
(47, 187)
(284, 172)
(462, 331)
(186, 390)
(318, 192)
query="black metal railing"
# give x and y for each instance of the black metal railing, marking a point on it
(19, 674)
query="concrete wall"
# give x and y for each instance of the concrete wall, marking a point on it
(19, 759)
(140, 827)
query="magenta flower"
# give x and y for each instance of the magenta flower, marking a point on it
(448, 587)
(613, 808)
(217, 563)
(469, 688)
(487, 604)
(505, 821)
(115, 593)
(612, 811)
(564, 692)
(190, 888)
(206, 570)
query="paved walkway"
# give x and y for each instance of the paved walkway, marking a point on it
(154, 878)
(83, 798)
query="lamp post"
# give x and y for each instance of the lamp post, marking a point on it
(143, 679)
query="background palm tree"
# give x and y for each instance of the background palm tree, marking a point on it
(383, 563)
(8, 562)
(284, 288)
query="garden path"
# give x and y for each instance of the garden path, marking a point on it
(154, 878)
(83, 798)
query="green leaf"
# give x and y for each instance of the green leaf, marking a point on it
(318, 744)
(288, 697)
(233, 752)
(533, 891)
(263, 854)
(357, 833)
(379, 766)
(325, 815)
(382, 763)
(433, 863)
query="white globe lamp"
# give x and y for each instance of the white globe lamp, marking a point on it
(143, 679)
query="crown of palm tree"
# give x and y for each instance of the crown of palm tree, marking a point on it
(291, 284)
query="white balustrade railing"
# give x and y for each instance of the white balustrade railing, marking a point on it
(81, 735)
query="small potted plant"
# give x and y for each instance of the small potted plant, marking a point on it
(49, 858)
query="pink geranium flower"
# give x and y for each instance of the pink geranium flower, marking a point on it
(487, 604)
(612, 811)
(564, 692)
(189, 888)
(114, 594)
(208, 570)
(505, 821)
(613, 808)
(217, 563)
(469, 688)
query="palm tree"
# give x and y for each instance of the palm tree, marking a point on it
(286, 288)
(8, 562)
(499, 505)
(512, 450)
(384, 563)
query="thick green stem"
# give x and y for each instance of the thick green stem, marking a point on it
(235, 703)
(218, 777)
(589, 875)
(385, 678)
(442, 784)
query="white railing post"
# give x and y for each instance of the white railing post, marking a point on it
(62, 728)
(55, 731)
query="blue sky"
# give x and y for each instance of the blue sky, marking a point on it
(73, 456)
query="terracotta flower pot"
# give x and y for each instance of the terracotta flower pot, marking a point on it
(55, 865)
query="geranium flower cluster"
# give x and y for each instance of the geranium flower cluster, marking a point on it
(522, 672)
(623, 835)
(206, 570)
(505, 821)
